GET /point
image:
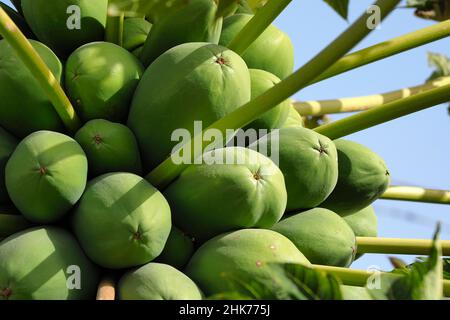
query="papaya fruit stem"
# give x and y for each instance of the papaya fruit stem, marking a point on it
(387, 49)
(363, 103)
(417, 194)
(385, 113)
(106, 289)
(114, 29)
(40, 71)
(399, 246)
(257, 25)
(162, 175)
(358, 278)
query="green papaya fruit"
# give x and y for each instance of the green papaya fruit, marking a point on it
(66, 24)
(109, 147)
(8, 144)
(364, 223)
(218, 196)
(240, 256)
(197, 21)
(122, 221)
(101, 78)
(18, 20)
(294, 119)
(156, 281)
(355, 293)
(363, 178)
(191, 82)
(273, 51)
(46, 175)
(11, 221)
(321, 235)
(25, 107)
(308, 161)
(178, 250)
(45, 263)
(261, 81)
(135, 32)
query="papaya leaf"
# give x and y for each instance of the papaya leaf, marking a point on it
(397, 263)
(421, 280)
(420, 4)
(287, 282)
(441, 63)
(340, 6)
(438, 10)
(314, 284)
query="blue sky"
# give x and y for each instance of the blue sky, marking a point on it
(416, 148)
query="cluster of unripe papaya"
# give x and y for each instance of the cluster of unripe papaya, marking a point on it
(82, 202)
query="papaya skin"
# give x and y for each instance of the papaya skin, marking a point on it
(46, 175)
(240, 255)
(191, 82)
(321, 235)
(11, 221)
(196, 21)
(363, 178)
(308, 161)
(273, 51)
(8, 144)
(156, 281)
(294, 119)
(109, 147)
(25, 106)
(364, 223)
(122, 221)
(261, 81)
(50, 23)
(178, 250)
(355, 293)
(36, 264)
(252, 194)
(100, 80)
